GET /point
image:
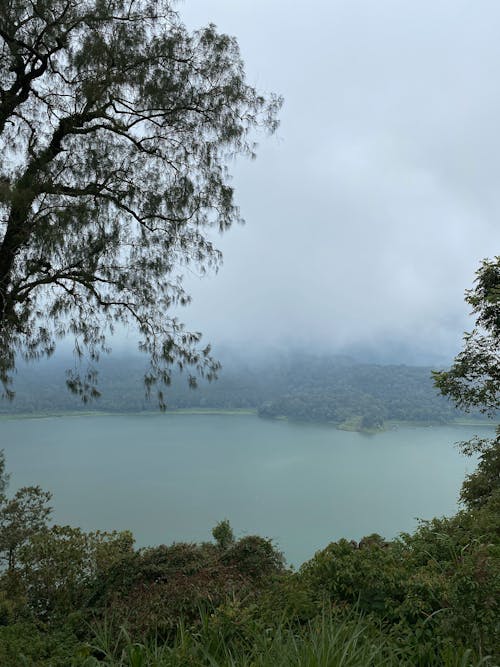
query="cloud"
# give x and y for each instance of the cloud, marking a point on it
(370, 211)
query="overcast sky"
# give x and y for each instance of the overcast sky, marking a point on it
(370, 210)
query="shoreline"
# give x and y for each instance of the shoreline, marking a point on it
(107, 413)
(388, 425)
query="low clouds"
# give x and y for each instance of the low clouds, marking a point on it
(370, 211)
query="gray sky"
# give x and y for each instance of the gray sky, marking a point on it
(368, 213)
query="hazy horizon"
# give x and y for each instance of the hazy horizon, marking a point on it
(236, 353)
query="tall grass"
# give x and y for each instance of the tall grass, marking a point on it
(329, 642)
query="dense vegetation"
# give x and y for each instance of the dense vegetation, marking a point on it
(298, 386)
(73, 598)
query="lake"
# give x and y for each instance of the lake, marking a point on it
(173, 477)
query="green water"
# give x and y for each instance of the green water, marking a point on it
(172, 477)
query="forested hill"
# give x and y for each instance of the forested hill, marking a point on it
(299, 386)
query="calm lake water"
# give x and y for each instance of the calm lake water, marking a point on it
(172, 477)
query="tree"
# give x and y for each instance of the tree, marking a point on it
(60, 567)
(4, 477)
(116, 124)
(223, 534)
(22, 517)
(473, 381)
(481, 485)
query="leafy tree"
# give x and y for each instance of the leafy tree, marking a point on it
(4, 477)
(58, 567)
(484, 482)
(254, 556)
(22, 517)
(473, 381)
(223, 534)
(116, 124)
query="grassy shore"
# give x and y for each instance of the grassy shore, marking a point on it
(100, 413)
(353, 425)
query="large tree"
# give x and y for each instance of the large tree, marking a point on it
(116, 126)
(473, 381)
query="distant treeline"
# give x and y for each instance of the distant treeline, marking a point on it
(360, 395)
(299, 386)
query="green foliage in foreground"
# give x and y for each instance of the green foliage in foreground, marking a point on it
(429, 598)
(333, 639)
(330, 640)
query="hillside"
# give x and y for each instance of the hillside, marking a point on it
(300, 386)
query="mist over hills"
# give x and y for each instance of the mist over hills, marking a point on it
(355, 394)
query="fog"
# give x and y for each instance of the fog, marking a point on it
(370, 210)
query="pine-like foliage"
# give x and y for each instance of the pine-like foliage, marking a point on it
(116, 126)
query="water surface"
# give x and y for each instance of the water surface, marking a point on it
(172, 477)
